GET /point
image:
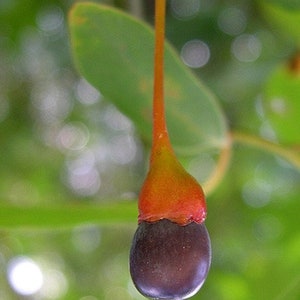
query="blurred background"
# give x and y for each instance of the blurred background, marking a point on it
(62, 142)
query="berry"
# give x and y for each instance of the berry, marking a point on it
(168, 260)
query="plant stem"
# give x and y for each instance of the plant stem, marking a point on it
(160, 133)
(290, 155)
(219, 172)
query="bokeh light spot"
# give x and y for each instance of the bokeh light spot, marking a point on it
(278, 106)
(123, 149)
(73, 136)
(183, 9)
(116, 120)
(51, 102)
(55, 284)
(86, 93)
(232, 21)
(82, 175)
(50, 20)
(257, 193)
(86, 238)
(25, 275)
(246, 48)
(195, 53)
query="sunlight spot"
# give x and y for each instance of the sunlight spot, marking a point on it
(55, 284)
(50, 20)
(85, 181)
(51, 102)
(183, 9)
(257, 193)
(116, 120)
(82, 175)
(86, 238)
(232, 21)
(278, 106)
(25, 276)
(86, 93)
(73, 136)
(246, 48)
(195, 54)
(123, 149)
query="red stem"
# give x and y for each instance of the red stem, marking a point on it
(160, 133)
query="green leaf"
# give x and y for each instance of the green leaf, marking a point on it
(51, 217)
(286, 4)
(114, 52)
(286, 21)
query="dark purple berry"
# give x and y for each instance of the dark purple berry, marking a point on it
(169, 261)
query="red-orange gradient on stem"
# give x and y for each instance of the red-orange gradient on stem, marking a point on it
(169, 192)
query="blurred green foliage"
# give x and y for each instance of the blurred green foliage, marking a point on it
(71, 163)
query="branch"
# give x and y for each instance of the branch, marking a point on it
(291, 155)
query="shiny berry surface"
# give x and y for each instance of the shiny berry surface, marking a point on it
(170, 261)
